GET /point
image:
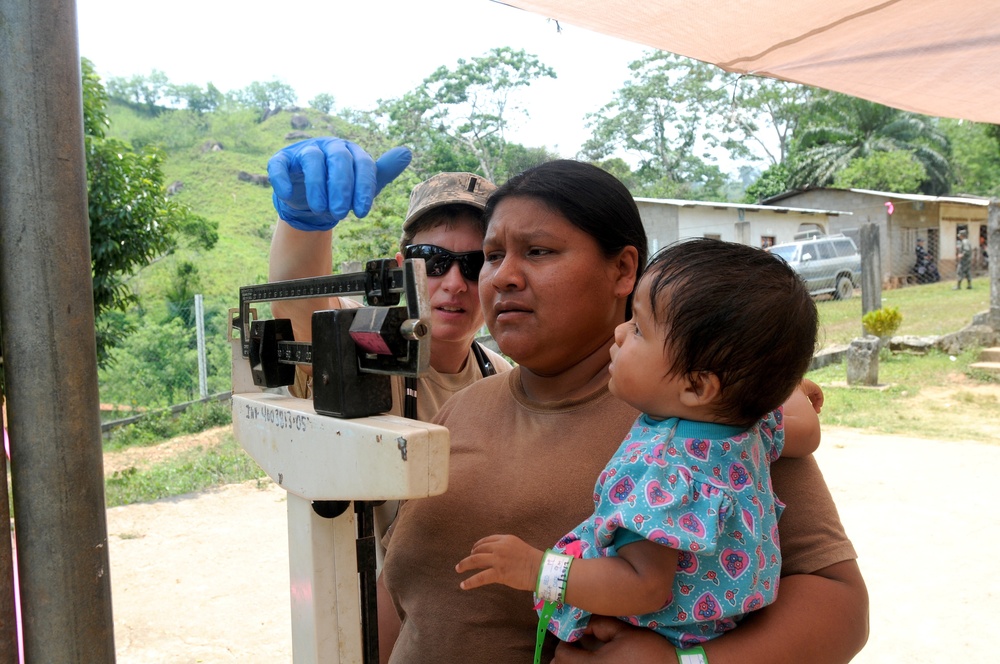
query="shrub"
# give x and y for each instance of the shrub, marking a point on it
(883, 322)
(161, 425)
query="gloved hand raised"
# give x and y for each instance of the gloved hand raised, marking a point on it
(318, 181)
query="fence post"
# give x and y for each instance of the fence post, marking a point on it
(993, 246)
(871, 271)
(8, 608)
(199, 316)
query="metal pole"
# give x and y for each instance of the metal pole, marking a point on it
(199, 316)
(8, 612)
(50, 359)
(993, 246)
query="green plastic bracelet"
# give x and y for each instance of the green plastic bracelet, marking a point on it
(550, 587)
(693, 655)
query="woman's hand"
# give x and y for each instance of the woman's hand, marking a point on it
(317, 182)
(612, 640)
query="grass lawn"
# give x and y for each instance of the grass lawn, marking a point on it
(931, 309)
(928, 396)
(195, 469)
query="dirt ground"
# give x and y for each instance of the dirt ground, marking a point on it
(203, 577)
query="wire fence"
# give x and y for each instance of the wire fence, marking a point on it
(107, 428)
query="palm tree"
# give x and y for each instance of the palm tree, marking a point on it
(839, 129)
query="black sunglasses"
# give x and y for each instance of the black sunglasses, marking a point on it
(439, 260)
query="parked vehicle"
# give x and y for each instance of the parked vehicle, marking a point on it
(828, 264)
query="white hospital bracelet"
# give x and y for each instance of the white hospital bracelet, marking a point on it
(552, 576)
(693, 655)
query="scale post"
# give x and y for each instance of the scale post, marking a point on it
(337, 450)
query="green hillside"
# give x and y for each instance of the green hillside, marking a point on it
(203, 158)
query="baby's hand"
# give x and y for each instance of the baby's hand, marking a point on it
(504, 559)
(814, 392)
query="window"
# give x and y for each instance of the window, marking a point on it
(786, 252)
(844, 247)
(767, 241)
(825, 250)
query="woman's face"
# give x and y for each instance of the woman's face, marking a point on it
(549, 294)
(454, 300)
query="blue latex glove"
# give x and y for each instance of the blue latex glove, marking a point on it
(318, 181)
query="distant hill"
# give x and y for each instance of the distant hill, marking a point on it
(205, 157)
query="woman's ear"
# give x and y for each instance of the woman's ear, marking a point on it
(399, 259)
(703, 388)
(625, 268)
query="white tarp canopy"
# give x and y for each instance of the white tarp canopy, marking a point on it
(936, 57)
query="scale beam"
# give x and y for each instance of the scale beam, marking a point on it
(327, 458)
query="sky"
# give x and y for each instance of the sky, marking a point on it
(357, 50)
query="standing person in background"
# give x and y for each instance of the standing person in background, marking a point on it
(920, 264)
(963, 259)
(924, 267)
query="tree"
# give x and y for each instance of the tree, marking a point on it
(180, 294)
(470, 107)
(621, 170)
(142, 92)
(883, 171)
(763, 114)
(771, 182)
(661, 118)
(676, 116)
(517, 158)
(265, 98)
(411, 121)
(155, 366)
(132, 222)
(195, 98)
(975, 156)
(838, 129)
(323, 102)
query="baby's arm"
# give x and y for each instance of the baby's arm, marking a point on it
(636, 581)
(801, 421)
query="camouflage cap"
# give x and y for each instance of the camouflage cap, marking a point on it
(447, 189)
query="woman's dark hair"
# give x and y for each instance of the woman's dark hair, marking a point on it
(738, 312)
(591, 199)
